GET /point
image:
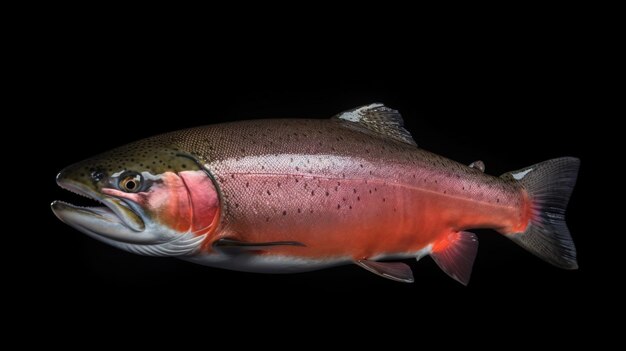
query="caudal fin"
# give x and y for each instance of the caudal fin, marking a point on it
(549, 185)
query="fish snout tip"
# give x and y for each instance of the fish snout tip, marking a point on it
(61, 176)
(67, 176)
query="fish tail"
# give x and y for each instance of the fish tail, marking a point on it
(549, 185)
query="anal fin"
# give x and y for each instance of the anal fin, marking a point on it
(396, 271)
(456, 254)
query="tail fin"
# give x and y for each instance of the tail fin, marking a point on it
(549, 185)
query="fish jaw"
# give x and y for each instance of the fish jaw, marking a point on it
(99, 222)
(115, 220)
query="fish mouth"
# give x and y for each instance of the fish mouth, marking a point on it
(115, 220)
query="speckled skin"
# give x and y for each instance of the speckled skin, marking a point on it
(343, 191)
(283, 196)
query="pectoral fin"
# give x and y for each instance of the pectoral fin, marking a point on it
(235, 245)
(396, 271)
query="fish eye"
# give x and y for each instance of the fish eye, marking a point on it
(130, 182)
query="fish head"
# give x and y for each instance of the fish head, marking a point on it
(156, 200)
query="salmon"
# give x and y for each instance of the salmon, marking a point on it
(296, 195)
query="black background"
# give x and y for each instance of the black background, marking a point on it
(508, 104)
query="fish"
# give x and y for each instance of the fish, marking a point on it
(297, 195)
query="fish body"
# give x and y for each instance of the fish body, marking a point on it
(283, 196)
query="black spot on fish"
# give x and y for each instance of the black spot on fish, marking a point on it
(284, 213)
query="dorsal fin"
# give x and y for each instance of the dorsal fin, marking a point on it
(381, 120)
